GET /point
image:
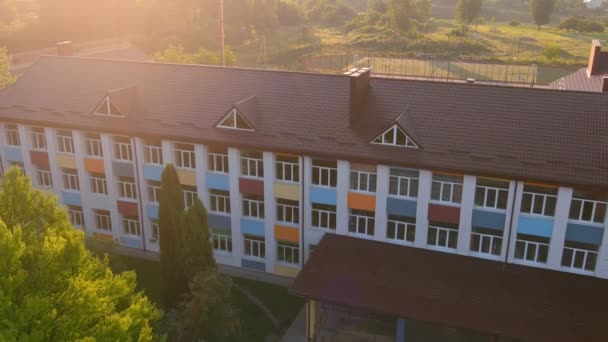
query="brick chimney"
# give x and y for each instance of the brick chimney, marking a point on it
(598, 59)
(64, 49)
(359, 88)
(605, 85)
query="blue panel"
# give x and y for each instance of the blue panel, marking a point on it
(123, 169)
(254, 265)
(323, 196)
(400, 336)
(538, 226)
(71, 198)
(218, 182)
(13, 154)
(153, 172)
(489, 219)
(584, 233)
(252, 227)
(131, 242)
(219, 222)
(152, 211)
(401, 207)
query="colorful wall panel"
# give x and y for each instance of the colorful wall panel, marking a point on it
(323, 195)
(251, 187)
(131, 242)
(535, 225)
(284, 233)
(127, 208)
(153, 172)
(217, 181)
(444, 213)
(253, 265)
(65, 161)
(71, 198)
(103, 237)
(584, 233)
(123, 169)
(287, 191)
(401, 207)
(221, 222)
(152, 211)
(94, 165)
(286, 271)
(361, 201)
(252, 227)
(187, 177)
(13, 154)
(488, 219)
(40, 159)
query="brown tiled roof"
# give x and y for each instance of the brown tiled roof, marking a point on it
(458, 291)
(511, 132)
(581, 81)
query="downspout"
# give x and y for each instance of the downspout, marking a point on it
(303, 214)
(511, 222)
(140, 196)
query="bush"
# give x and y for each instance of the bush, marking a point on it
(513, 23)
(569, 23)
(552, 52)
(288, 14)
(330, 12)
(590, 26)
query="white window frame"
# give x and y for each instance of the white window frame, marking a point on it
(256, 248)
(218, 162)
(534, 195)
(154, 231)
(185, 159)
(283, 256)
(76, 217)
(93, 147)
(217, 202)
(106, 102)
(122, 150)
(65, 143)
(528, 244)
(325, 176)
(594, 204)
(488, 193)
(322, 215)
(233, 114)
(489, 240)
(249, 204)
(249, 167)
(382, 140)
(400, 180)
(126, 190)
(98, 185)
(448, 232)
(361, 175)
(400, 226)
(152, 191)
(153, 154)
(290, 171)
(189, 197)
(103, 222)
(44, 178)
(131, 227)
(442, 187)
(11, 132)
(285, 210)
(221, 243)
(70, 181)
(585, 255)
(363, 225)
(38, 139)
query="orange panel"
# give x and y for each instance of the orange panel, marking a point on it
(284, 233)
(361, 201)
(94, 165)
(103, 237)
(541, 185)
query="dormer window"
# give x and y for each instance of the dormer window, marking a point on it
(107, 108)
(234, 120)
(394, 136)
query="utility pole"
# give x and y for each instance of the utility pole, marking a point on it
(221, 29)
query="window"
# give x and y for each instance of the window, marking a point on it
(401, 228)
(252, 164)
(288, 211)
(65, 143)
(324, 216)
(491, 194)
(288, 253)
(184, 156)
(219, 201)
(324, 173)
(122, 148)
(579, 256)
(222, 242)
(98, 184)
(155, 230)
(486, 241)
(190, 193)
(361, 222)
(44, 178)
(102, 220)
(363, 181)
(70, 179)
(12, 135)
(153, 152)
(403, 182)
(38, 138)
(107, 108)
(75, 215)
(234, 120)
(396, 137)
(218, 160)
(254, 247)
(130, 226)
(586, 209)
(442, 235)
(127, 188)
(92, 145)
(532, 248)
(539, 200)
(152, 187)
(446, 189)
(288, 169)
(253, 206)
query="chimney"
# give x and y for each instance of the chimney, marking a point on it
(64, 49)
(595, 58)
(605, 85)
(359, 87)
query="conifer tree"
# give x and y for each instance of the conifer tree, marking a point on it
(197, 251)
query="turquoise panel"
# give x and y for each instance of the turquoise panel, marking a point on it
(401, 207)
(323, 196)
(254, 265)
(538, 226)
(252, 227)
(131, 242)
(71, 198)
(488, 219)
(584, 233)
(153, 172)
(218, 182)
(219, 222)
(13, 154)
(152, 211)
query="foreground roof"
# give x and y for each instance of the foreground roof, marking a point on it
(580, 80)
(459, 291)
(511, 132)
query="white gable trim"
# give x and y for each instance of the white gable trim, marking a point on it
(234, 115)
(107, 105)
(394, 136)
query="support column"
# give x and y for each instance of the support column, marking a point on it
(235, 205)
(269, 212)
(466, 215)
(508, 215)
(138, 152)
(560, 223)
(342, 187)
(382, 176)
(401, 330)
(519, 190)
(108, 158)
(26, 145)
(601, 269)
(422, 208)
(83, 176)
(51, 147)
(167, 147)
(200, 154)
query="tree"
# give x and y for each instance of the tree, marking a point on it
(401, 13)
(6, 79)
(467, 11)
(176, 54)
(197, 252)
(51, 287)
(170, 215)
(541, 11)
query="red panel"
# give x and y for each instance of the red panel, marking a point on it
(128, 208)
(251, 186)
(40, 159)
(444, 213)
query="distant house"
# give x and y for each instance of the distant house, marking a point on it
(593, 78)
(593, 4)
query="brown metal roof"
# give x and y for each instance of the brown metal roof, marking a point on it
(463, 292)
(511, 132)
(581, 81)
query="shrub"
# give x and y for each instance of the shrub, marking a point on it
(569, 23)
(513, 23)
(552, 52)
(590, 26)
(288, 14)
(330, 12)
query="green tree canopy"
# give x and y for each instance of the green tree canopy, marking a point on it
(51, 287)
(176, 54)
(196, 249)
(467, 11)
(6, 79)
(541, 11)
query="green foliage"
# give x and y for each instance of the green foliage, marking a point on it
(329, 12)
(581, 25)
(176, 54)
(552, 52)
(541, 11)
(467, 11)
(513, 23)
(569, 23)
(51, 287)
(288, 13)
(406, 13)
(196, 248)
(6, 79)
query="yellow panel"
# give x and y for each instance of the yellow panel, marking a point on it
(103, 237)
(363, 167)
(286, 271)
(287, 191)
(65, 161)
(312, 311)
(187, 177)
